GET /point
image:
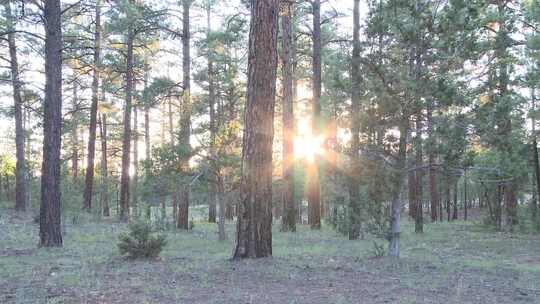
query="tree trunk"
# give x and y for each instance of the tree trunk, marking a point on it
(229, 210)
(254, 225)
(75, 134)
(398, 180)
(504, 123)
(448, 198)
(354, 185)
(185, 124)
(534, 207)
(455, 205)
(104, 197)
(21, 178)
(465, 202)
(182, 221)
(211, 105)
(411, 183)
(314, 172)
(89, 180)
(288, 220)
(50, 232)
(147, 144)
(126, 139)
(433, 192)
(220, 202)
(419, 175)
(135, 181)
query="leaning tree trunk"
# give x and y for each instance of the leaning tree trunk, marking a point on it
(89, 179)
(50, 232)
(126, 138)
(254, 225)
(314, 172)
(353, 179)
(21, 180)
(182, 221)
(288, 222)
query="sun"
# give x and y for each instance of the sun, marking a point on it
(307, 146)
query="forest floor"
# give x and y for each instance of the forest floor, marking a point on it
(460, 262)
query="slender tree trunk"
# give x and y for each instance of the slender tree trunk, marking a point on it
(534, 211)
(174, 194)
(214, 199)
(135, 181)
(440, 205)
(294, 60)
(314, 170)
(433, 192)
(220, 202)
(50, 232)
(21, 178)
(229, 210)
(289, 209)
(89, 180)
(504, 123)
(448, 199)
(354, 185)
(104, 196)
(398, 180)
(465, 201)
(254, 225)
(185, 125)
(148, 150)
(126, 139)
(455, 213)
(75, 134)
(419, 175)
(411, 183)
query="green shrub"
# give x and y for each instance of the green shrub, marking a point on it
(141, 242)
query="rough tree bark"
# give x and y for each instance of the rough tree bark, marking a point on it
(126, 138)
(220, 202)
(314, 172)
(182, 221)
(89, 179)
(50, 233)
(254, 225)
(21, 180)
(353, 182)
(288, 220)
